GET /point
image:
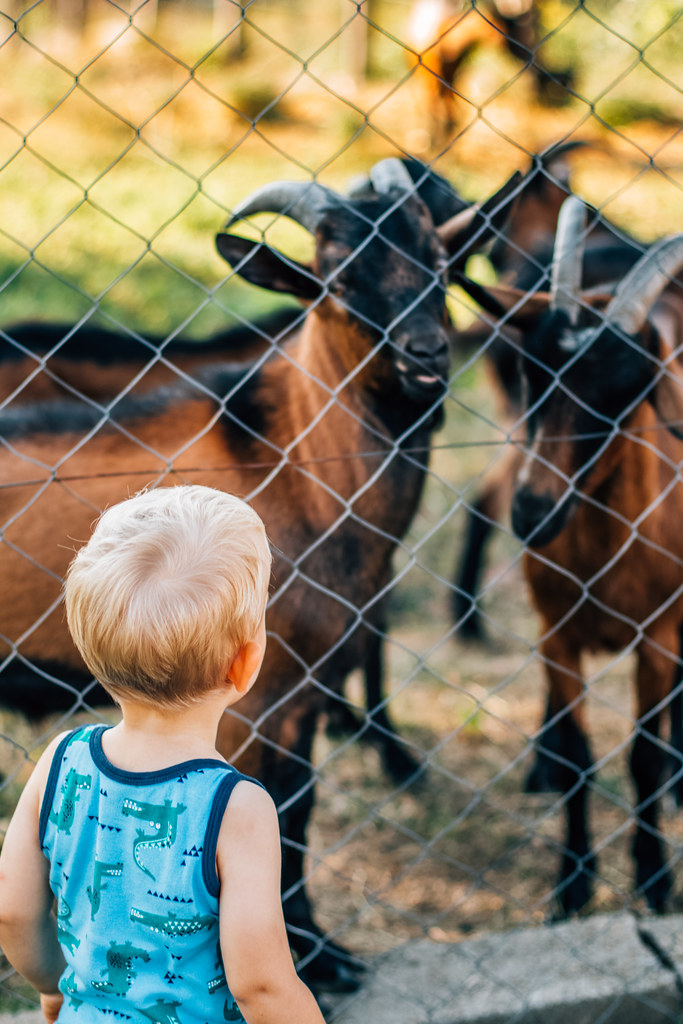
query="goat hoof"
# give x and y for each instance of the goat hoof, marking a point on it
(657, 890)
(653, 878)
(468, 622)
(535, 781)
(401, 766)
(341, 722)
(575, 886)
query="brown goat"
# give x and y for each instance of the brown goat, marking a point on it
(313, 435)
(599, 501)
(43, 360)
(441, 35)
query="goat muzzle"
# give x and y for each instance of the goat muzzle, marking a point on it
(422, 364)
(538, 518)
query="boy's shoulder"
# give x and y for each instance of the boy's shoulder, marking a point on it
(251, 808)
(249, 793)
(60, 742)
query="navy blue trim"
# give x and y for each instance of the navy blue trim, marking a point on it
(213, 827)
(145, 778)
(52, 779)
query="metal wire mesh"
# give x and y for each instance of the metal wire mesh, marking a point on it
(128, 136)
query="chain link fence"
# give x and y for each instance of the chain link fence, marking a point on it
(401, 714)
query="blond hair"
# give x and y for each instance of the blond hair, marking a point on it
(172, 583)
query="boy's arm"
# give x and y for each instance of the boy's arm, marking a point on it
(28, 929)
(256, 955)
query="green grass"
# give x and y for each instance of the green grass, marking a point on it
(120, 160)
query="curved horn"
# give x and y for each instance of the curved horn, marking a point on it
(644, 283)
(303, 201)
(391, 173)
(358, 186)
(565, 275)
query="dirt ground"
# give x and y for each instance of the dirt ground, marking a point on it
(464, 848)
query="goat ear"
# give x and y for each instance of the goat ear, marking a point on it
(520, 308)
(667, 395)
(257, 263)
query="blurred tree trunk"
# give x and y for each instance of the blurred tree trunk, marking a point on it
(70, 13)
(228, 18)
(358, 56)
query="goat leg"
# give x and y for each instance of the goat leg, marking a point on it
(489, 508)
(468, 571)
(676, 729)
(647, 764)
(563, 762)
(322, 964)
(561, 748)
(575, 884)
(378, 728)
(397, 762)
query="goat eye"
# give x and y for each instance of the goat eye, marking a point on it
(339, 284)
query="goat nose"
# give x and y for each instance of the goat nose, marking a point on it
(536, 518)
(428, 350)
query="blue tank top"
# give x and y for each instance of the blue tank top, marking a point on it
(133, 869)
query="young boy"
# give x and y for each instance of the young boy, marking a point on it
(163, 860)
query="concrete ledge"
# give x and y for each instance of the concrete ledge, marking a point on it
(578, 972)
(598, 969)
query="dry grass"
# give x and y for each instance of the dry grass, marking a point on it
(465, 849)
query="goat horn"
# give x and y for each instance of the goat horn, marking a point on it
(565, 275)
(452, 227)
(357, 186)
(391, 173)
(490, 213)
(641, 287)
(303, 201)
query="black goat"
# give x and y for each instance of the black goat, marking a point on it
(318, 436)
(599, 500)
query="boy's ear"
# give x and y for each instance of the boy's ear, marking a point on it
(244, 666)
